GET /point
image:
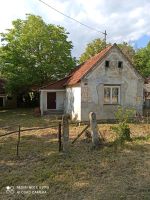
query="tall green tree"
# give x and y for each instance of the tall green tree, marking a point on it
(33, 52)
(142, 60)
(97, 45)
(128, 50)
(92, 48)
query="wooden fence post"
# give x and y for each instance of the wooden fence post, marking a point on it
(94, 131)
(147, 117)
(18, 142)
(65, 134)
(59, 137)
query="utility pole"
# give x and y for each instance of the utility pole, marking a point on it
(105, 37)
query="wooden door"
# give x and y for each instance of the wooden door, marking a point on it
(1, 101)
(51, 100)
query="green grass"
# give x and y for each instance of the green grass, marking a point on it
(108, 173)
(23, 117)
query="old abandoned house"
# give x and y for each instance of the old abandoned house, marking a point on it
(100, 84)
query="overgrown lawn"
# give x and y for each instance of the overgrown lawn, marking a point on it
(110, 173)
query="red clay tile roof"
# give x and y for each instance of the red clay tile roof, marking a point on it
(84, 68)
(76, 74)
(56, 85)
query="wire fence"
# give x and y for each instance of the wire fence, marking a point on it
(20, 131)
(58, 129)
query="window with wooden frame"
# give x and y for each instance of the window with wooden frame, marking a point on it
(111, 94)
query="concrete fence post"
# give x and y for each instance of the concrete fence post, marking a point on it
(94, 131)
(65, 132)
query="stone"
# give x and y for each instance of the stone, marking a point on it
(94, 131)
(65, 132)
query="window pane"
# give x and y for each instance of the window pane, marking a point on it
(115, 95)
(107, 95)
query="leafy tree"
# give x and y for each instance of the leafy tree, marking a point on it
(128, 50)
(142, 60)
(97, 45)
(92, 48)
(33, 52)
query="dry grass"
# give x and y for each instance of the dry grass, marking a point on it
(106, 174)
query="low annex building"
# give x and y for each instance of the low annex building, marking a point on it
(100, 84)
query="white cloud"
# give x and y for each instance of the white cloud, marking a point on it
(125, 20)
(10, 10)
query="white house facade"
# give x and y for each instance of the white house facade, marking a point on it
(100, 85)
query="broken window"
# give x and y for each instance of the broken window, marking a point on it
(107, 92)
(111, 94)
(115, 95)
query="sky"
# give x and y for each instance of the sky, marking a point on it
(124, 20)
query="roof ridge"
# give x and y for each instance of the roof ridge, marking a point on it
(76, 68)
(87, 65)
(79, 71)
(98, 53)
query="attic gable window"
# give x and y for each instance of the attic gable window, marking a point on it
(120, 64)
(107, 63)
(111, 94)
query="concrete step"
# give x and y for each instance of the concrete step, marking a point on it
(54, 112)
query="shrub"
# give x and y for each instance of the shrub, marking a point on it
(123, 116)
(123, 132)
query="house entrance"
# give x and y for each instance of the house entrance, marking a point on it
(1, 101)
(51, 100)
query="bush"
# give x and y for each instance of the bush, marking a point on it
(123, 132)
(123, 116)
